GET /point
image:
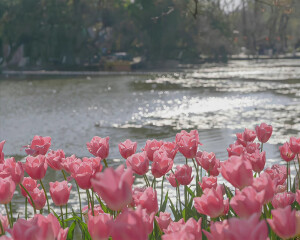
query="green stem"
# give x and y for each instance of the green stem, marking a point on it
(88, 199)
(185, 203)
(162, 191)
(179, 198)
(197, 177)
(186, 161)
(8, 217)
(287, 176)
(63, 172)
(90, 202)
(146, 180)
(105, 163)
(11, 215)
(261, 149)
(67, 210)
(45, 195)
(62, 217)
(26, 201)
(153, 182)
(299, 170)
(2, 229)
(79, 199)
(28, 194)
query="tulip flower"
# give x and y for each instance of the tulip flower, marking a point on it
(152, 146)
(98, 226)
(15, 170)
(39, 198)
(163, 220)
(211, 203)
(295, 145)
(281, 200)
(54, 159)
(95, 163)
(208, 183)
(283, 222)
(147, 199)
(99, 147)
(139, 163)
(147, 219)
(161, 164)
(252, 147)
(38, 146)
(127, 148)
(209, 162)
(257, 160)
(114, 187)
(183, 174)
(170, 148)
(29, 184)
(237, 171)
(247, 202)
(265, 183)
(172, 180)
(36, 167)
(1, 153)
(82, 172)
(60, 192)
(235, 150)
(174, 226)
(263, 132)
(188, 143)
(4, 223)
(7, 189)
(249, 135)
(286, 152)
(68, 162)
(277, 173)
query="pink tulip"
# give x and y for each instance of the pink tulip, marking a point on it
(170, 148)
(174, 226)
(127, 148)
(277, 174)
(219, 231)
(147, 199)
(172, 180)
(4, 222)
(209, 162)
(237, 171)
(36, 167)
(38, 146)
(99, 147)
(188, 143)
(208, 183)
(283, 222)
(152, 146)
(211, 203)
(183, 174)
(286, 152)
(55, 158)
(29, 184)
(235, 150)
(60, 192)
(82, 173)
(114, 187)
(15, 170)
(249, 135)
(7, 189)
(263, 132)
(129, 225)
(1, 153)
(148, 219)
(257, 160)
(265, 183)
(298, 196)
(98, 226)
(247, 202)
(139, 163)
(38, 197)
(95, 163)
(161, 164)
(163, 220)
(281, 200)
(252, 147)
(241, 139)
(68, 162)
(295, 145)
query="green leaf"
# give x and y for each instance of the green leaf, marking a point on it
(55, 214)
(191, 193)
(71, 231)
(164, 205)
(175, 212)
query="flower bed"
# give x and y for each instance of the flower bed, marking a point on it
(254, 202)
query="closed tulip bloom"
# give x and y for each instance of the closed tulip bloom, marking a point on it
(249, 135)
(281, 200)
(98, 226)
(29, 184)
(152, 146)
(209, 162)
(1, 151)
(129, 225)
(163, 220)
(15, 170)
(247, 202)
(99, 147)
(257, 160)
(172, 180)
(211, 203)
(286, 152)
(265, 183)
(139, 163)
(69, 161)
(240, 139)
(127, 148)
(82, 173)
(295, 145)
(7, 189)
(188, 143)
(60, 192)
(218, 231)
(277, 174)
(38, 197)
(235, 150)
(252, 147)
(263, 132)
(36, 167)
(174, 226)
(170, 148)
(237, 171)
(208, 183)
(4, 222)
(283, 222)
(148, 219)
(54, 159)
(114, 187)
(39, 146)
(95, 163)
(147, 199)
(161, 164)
(183, 174)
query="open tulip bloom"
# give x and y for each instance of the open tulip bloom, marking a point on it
(203, 197)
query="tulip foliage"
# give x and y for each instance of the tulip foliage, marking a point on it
(238, 198)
